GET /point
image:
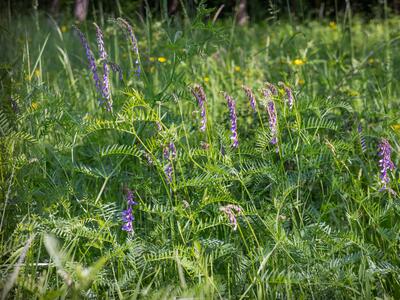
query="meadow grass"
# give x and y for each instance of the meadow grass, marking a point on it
(312, 218)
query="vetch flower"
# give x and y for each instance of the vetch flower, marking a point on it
(116, 69)
(230, 210)
(385, 163)
(250, 95)
(106, 71)
(289, 94)
(233, 117)
(134, 43)
(91, 60)
(169, 153)
(362, 139)
(272, 88)
(199, 94)
(127, 215)
(272, 122)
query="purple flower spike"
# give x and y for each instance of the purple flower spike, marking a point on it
(272, 88)
(362, 139)
(127, 215)
(233, 117)
(251, 97)
(267, 94)
(168, 172)
(229, 211)
(172, 150)
(272, 122)
(385, 163)
(289, 94)
(199, 94)
(134, 43)
(116, 69)
(106, 71)
(169, 153)
(91, 60)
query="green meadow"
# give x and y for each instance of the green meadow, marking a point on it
(305, 207)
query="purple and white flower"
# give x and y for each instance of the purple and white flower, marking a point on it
(250, 95)
(289, 94)
(106, 71)
(272, 122)
(91, 60)
(233, 117)
(199, 94)
(127, 215)
(385, 162)
(230, 211)
(134, 43)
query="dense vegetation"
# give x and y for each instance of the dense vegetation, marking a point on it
(299, 209)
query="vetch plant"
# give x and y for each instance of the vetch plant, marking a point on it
(250, 95)
(231, 211)
(127, 215)
(233, 118)
(104, 57)
(385, 163)
(199, 94)
(91, 60)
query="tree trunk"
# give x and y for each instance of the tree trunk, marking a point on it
(81, 8)
(242, 16)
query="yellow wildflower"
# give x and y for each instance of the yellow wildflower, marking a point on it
(206, 79)
(162, 59)
(34, 105)
(298, 62)
(152, 59)
(301, 81)
(237, 69)
(396, 127)
(64, 28)
(333, 25)
(353, 93)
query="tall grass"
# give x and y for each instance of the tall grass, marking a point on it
(313, 220)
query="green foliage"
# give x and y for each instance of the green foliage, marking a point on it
(313, 221)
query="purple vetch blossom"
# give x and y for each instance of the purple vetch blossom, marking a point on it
(127, 215)
(116, 69)
(134, 43)
(148, 158)
(250, 95)
(168, 170)
(289, 94)
(169, 153)
(233, 117)
(106, 71)
(385, 163)
(272, 88)
(91, 60)
(172, 150)
(267, 94)
(199, 94)
(362, 139)
(230, 211)
(272, 122)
